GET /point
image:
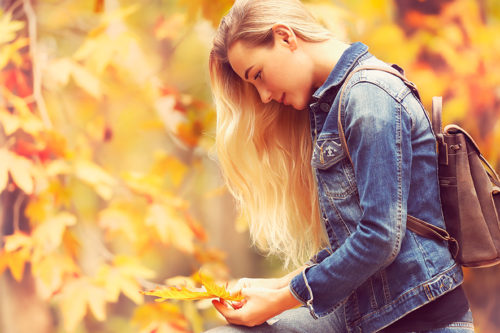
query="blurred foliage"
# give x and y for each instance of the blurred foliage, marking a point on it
(107, 125)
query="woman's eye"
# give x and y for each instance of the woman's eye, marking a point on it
(258, 75)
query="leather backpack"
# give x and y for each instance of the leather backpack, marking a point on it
(469, 189)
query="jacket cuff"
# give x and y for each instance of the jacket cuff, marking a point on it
(300, 289)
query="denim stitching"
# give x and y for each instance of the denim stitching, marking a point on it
(411, 291)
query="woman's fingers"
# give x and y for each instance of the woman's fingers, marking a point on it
(227, 312)
(238, 286)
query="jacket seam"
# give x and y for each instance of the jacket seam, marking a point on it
(424, 285)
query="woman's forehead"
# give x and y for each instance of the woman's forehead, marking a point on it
(242, 57)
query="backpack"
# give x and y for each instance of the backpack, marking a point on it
(469, 189)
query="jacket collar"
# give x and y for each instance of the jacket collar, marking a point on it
(342, 68)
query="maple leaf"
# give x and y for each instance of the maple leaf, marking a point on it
(122, 276)
(78, 295)
(95, 176)
(9, 27)
(160, 317)
(16, 253)
(49, 272)
(48, 235)
(21, 169)
(209, 289)
(170, 226)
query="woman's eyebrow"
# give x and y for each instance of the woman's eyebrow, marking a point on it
(247, 71)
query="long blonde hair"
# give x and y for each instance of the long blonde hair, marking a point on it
(264, 150)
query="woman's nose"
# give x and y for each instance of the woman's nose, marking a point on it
(265, 95)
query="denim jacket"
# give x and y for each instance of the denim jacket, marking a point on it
(375, 267)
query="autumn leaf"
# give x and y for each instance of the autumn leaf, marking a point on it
(209, 289)
(78, 295)
(20, 168)
(122, 277)
(16, 253)
(116, 220)
(170, 226)
(49, 273)
(97, 177)
(8, 27)
(48, 235)
(159, 317)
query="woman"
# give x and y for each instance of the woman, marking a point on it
(276, 76)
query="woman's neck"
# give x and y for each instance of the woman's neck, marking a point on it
(325, 56)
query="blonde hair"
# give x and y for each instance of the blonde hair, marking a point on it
(264, 150)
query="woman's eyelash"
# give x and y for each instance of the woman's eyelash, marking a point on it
(258, 75)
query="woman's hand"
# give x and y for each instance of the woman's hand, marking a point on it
(259, 305)
(272, 283)
(255, 283)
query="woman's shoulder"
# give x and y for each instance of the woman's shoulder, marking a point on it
(377, 82)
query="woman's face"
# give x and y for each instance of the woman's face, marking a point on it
(283, 72)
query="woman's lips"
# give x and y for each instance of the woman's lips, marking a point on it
(282, 99)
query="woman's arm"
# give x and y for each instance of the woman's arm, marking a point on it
(378, 133)
(267, 283)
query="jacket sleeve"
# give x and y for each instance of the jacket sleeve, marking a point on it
(379, 140)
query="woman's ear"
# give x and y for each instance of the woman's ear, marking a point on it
(285, 35)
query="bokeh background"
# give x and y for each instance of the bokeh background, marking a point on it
(108, 182)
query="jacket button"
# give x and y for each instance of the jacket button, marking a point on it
(446, 283)
(325, 107)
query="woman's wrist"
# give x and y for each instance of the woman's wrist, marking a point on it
(286, 300)
(284, 281)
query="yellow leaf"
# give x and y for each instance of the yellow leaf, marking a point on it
(171, 27)
(17, 252)
(21, 170)
(17, 241)
(117, 220)
(167, 164)
(19, 103)
(49, 272)
(123, 276)
(57, 72)
(171, 227)
(94, 175)
(159, 317)
(74, 298)
(48, 235)
(219, 291)
(86, 80)
(170, 117)
(181, 293)
(3, 261)
(57, 167)
(9, 27)
(9, 122)
(209, 290)
(16, 261)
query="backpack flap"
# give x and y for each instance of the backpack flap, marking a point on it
(467, 198)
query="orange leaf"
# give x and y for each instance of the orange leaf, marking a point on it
(209, 290)
(178, 293)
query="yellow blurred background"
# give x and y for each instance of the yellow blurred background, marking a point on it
(108, 182)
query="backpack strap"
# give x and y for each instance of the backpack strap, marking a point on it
(437, 128)
(413, 223)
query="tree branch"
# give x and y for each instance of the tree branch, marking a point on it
(37, 77)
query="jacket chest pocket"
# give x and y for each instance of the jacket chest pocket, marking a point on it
(333, 170)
